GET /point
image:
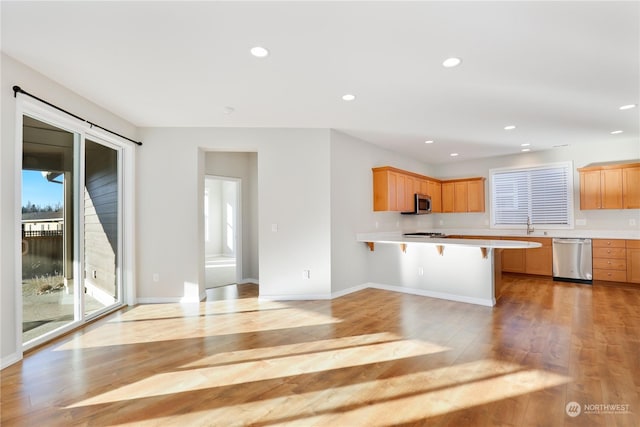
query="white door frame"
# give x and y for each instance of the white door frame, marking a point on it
(238, 220)
(40, 111)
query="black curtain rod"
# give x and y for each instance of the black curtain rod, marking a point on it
(18, 89)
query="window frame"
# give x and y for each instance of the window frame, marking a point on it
(568, 165)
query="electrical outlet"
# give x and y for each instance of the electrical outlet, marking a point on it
(156, 277)
(581, 222)
(420, 271)
(274, 228)
(306, 274)
(441, 222)
(632, 222)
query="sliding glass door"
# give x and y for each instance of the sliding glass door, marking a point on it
(47, 226)
(101, 227)
(71, 229)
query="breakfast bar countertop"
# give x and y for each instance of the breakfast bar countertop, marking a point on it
(399, 238)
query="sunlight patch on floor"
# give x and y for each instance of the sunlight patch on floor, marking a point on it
(265, 369)
(411, 397)
(292, 349)
(141, 325)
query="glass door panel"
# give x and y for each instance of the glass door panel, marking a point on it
(47, 224)
(101, 227)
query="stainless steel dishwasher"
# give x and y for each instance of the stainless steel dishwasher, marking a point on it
(572, 260)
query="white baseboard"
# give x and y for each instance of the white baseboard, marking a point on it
(432, 294)
(158, 300)
(294, 297)
(350, 290)
(392, 288)
(338, 294)
(10, 360)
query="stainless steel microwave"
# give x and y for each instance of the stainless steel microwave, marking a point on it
(421, 206)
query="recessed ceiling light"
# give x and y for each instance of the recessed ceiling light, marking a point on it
(560, 145)
(510, 127)
(228, 110)
(616, 132)
(451, 62)
(453, 154)
(526, 144)
(428, 142)
(526, 149)
(348, 97)
(259, 52)
(628, 107)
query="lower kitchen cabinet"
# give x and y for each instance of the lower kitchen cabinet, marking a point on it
(513, 260)
(609, 260)
(536, 261)
(540, 260)
(633, 261)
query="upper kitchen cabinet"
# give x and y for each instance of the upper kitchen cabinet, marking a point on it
(463, 195)
(631, 187)
(434, 189)
(610, 186)
(394, 189)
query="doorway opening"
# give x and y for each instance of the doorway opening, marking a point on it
(222, 228)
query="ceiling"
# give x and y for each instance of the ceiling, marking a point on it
(558, 71)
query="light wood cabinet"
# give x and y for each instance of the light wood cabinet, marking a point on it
(610, 186)
(460, 196)
(476, 195)
(394, 190)
(434, 189)
(539, 260)
(447, 197)
(631, 188)
(633, 261)
(609, 260)
(463, 195)
(536, 261)
(513, 261)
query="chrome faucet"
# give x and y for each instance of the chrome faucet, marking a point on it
(529, 226)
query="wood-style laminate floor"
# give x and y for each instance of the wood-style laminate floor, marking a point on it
(371, 358)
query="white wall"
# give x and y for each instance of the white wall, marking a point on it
(352, 206)
(243, 165)
(293, 174)
(15, 73)
(580, 154)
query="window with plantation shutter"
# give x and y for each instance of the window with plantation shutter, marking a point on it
(542, 193)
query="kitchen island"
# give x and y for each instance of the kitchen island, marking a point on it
(458, 269)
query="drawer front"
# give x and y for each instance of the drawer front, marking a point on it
(610, 264)
(609, 253)
(608, 243)
(610, 275)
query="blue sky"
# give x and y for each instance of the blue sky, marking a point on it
(36, 189)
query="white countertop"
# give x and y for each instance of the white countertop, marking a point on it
(396, 237)
(574, 233)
